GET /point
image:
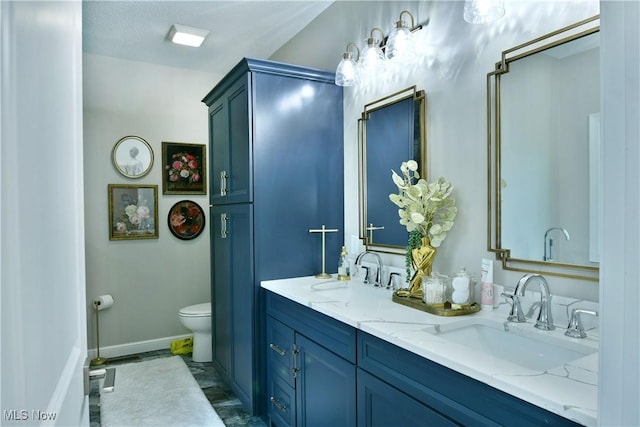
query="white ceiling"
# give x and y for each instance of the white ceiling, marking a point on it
(137, 30)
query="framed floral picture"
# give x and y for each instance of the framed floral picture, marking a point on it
(183, 168)
(133, 211)
(186, 220)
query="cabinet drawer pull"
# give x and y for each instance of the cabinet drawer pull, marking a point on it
(223, 226)
(277, 349)
(278, 404)
(223, 183)
(295, 370)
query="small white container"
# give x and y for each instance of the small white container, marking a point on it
(461, 289)
(433, 290)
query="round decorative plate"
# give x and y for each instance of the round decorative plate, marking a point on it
(186, 220)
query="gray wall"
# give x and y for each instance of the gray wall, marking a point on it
(150, 280)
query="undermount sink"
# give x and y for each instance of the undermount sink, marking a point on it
(519, 344)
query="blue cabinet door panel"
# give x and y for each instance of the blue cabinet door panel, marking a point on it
(230, 160)
(219, 147)
(380, 405)
(298, 167)
(239, 188)
(233, 295)
(325, 387)
(220, 294)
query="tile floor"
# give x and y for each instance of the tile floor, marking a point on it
(221, 397)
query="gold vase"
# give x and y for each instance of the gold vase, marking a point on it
(422, 260)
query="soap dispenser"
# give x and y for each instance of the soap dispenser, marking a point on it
(343, 265)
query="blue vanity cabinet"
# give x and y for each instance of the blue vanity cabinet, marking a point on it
(276, 150)
(391, 374)
(311, 372)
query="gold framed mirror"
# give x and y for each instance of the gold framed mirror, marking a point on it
(543, 154)
(391, 130)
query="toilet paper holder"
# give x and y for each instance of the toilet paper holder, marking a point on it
(99, 304)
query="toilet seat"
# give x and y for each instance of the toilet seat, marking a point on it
(197, 310)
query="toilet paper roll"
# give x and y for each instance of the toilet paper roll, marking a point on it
(103, 301)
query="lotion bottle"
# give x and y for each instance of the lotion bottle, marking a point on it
(486, 288)
(343, 265)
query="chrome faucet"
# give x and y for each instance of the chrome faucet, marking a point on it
(575, 328)
(549, 242)
(545, 319)
(378, 280)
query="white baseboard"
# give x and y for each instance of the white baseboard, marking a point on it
(135, 347)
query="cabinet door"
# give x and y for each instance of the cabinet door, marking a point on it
(380, 405)
(229, 132)
(233, 298)
(325, 387)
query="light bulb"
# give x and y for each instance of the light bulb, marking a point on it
(346, 73)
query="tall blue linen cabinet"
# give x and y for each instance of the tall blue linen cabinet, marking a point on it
(276, 162)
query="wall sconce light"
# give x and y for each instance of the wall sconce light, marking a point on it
(347, 71)
(400, 43)
(372, 60)
(187, 36)
(483, 11)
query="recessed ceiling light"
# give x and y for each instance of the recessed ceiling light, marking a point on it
(188, 36)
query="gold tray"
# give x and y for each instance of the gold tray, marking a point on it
(443, 309)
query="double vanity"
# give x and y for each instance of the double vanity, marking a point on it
(345, 352)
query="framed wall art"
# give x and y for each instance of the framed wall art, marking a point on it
(186, 220)
(132, 157)
(133, 211)
(183, 168)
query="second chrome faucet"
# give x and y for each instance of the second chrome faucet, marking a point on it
(545, 319)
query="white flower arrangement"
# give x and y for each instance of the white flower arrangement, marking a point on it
(426, 208)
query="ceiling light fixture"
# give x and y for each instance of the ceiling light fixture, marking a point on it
(483, 11)
(187, 36)
(347, 72)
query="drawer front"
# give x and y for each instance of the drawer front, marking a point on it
(281, 402)
(330, 333)
(279, 347)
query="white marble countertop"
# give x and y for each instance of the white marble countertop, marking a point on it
(569, 390)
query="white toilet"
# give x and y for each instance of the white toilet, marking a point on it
(197, 318)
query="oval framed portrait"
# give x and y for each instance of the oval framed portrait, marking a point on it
(186, 220)
(132, 156)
